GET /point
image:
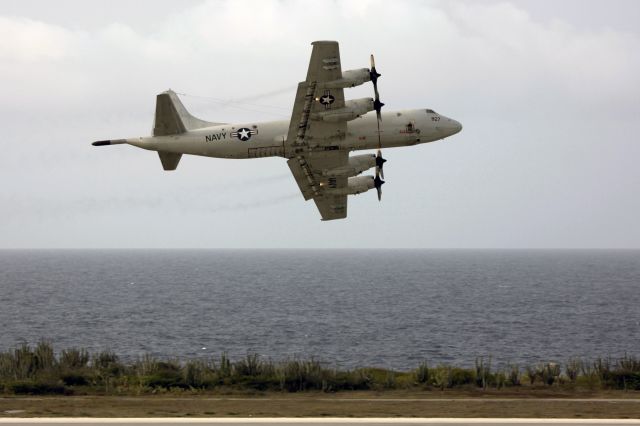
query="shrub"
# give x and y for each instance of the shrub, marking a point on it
(194, 373)
(353, 380)
(73, 379)
(7, 370)
(249, 366)
(602, 369)
(165, 380)
(531, 374)
(298, 375)
(626, 374)
(23, 362)
(573, 368)
(422, 373)
(390, 380)
(483, 372)
(628, 363)
(74, 358)
(33, 388)
(225, 365)
(107, 363)
(441, 376)
(167, 374)
(460, 377)
(43, 357)
(549, 373)
(513, 375)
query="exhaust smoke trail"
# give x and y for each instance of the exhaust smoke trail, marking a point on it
(255, 204)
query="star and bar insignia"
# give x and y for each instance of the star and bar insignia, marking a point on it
(244, 134)
(327, 99)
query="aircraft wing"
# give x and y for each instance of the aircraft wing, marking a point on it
(314, 146)
(308, 171)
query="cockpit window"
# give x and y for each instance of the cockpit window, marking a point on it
(430, 111)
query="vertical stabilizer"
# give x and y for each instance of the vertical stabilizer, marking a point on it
(172, 118)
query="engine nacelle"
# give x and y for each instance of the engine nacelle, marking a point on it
(357, 164)
(356, 185)
(350, 78)
(352, 109)
(360, 184)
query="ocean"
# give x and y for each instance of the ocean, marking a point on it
(347, 308)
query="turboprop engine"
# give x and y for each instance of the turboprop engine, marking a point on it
(352, 109)
(357, 185)
(360, 184)
(357, 164)
(350, 78)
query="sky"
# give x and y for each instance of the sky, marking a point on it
(548, 93)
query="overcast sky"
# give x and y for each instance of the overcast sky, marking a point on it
(548, 93)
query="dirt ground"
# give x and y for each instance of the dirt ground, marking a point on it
(545, 404)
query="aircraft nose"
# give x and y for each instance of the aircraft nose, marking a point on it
(450, 126)
(456, 126)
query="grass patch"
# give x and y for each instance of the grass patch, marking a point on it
(27, 370)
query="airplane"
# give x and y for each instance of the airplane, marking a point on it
(323, 130)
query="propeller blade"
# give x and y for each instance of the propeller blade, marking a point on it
(377, 105)
(378, 183)
(372, 72)
(379, 163)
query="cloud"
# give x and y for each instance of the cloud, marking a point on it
(491, 51)
(505, 47)
(24, 40)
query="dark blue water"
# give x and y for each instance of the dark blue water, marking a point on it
(346, 307)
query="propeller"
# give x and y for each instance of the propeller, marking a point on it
(379, 163)
(378, 184)
(377, 105)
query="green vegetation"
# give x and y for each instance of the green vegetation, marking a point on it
(38, 370)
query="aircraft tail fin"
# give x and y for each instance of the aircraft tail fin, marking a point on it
(172, 118)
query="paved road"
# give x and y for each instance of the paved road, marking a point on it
(345, 399)
(317, 422)
(226, 398)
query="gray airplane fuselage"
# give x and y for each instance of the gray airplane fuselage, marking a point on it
(268, 139)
